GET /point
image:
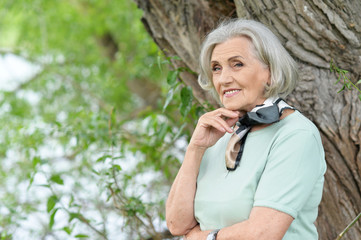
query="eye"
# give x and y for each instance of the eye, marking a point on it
(216, 68)
(238, 64)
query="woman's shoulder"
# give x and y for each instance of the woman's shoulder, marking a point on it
(298, 128)
(293, 123)
(297, 122)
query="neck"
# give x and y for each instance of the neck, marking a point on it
(285, 113)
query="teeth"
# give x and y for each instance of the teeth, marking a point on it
(232, 91)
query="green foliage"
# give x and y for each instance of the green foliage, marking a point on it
(85, 155)
(342, 77)
(349, 226)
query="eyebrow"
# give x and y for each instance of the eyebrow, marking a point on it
(229, 59)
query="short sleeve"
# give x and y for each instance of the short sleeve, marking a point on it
(294, 165)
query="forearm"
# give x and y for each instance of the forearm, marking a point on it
(180, 203)
(239, 231)
(263, 224)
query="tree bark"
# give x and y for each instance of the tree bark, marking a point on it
(314, 32)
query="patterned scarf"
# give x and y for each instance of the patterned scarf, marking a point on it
(269, 112)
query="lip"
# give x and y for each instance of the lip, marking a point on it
(233, 91)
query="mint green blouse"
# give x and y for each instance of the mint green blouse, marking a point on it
(282, 167)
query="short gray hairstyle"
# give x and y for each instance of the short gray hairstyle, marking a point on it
(267, 48)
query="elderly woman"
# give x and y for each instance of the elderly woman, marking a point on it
(254, 169)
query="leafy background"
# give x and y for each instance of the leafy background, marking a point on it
(90, 141)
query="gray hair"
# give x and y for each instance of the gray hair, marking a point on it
(267, 48)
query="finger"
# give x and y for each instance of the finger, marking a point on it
(224, 124)
(231, 121)
(221, 119)
(230, 117)
(215, 124)
(223, 112)
(226, 113)
(228, 123)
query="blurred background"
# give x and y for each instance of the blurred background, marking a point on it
(94, 122)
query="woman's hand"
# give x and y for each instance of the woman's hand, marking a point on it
(212, 126)
(196, 234)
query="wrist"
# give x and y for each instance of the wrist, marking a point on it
(213, 235)
(196, 148)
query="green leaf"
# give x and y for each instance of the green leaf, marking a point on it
(118, 157)
(52, 200)
(359, 97)
(200, 111)
(186, 101)
(102, 158)
(358, 82)
(31, 180)
(134, 206)
(172, 78)
(73, 215)
(348, 85)
(36, 161)
(331, 66)
(168, 99)
(81, 236)
(57, 179)
(52, 217)
(95, 172)
(159, 62)
(71, 201)
(180, 131)
(343, 88)
(176, 58)
(67, 229)
(162, 132)
(116, 167)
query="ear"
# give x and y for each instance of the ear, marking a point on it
(267, 79)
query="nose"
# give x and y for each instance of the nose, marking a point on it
(226, 76)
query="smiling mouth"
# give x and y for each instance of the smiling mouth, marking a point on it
(231, 93)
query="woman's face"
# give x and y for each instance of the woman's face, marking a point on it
(238, 76)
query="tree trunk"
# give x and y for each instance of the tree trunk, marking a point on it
(314, 32)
